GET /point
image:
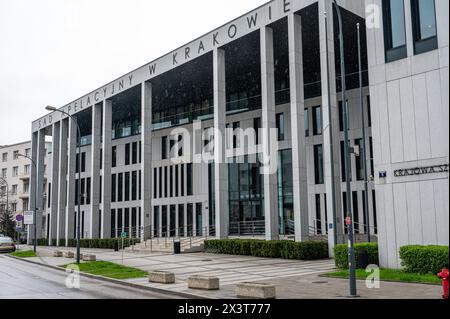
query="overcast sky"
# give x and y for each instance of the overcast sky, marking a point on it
(54, 51)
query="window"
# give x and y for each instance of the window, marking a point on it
(166, 182)
(171, 181)
(372, 167)
(127, 186)
(88, 191)
(83, 190)
(4, 172)
(77, 163)
(280, 126)
(14, 190)
(83, 162)
(164, 147)
(26, 188)
(257, 127)
(113, 188)
(369, 114)
(120, 187)
(4, 157)
(317, 120)
(15, 171)
(160, 182)
(28, 152)
(359, 161)
(236, 125)
(182, 180)
(155, 182)
(189, 179)
(343, 163)
(177, 193)
(15, 155)
(14, 207)
(306, 118)
(394, 30)
(26, 169)
(114, 156)
(318, 222)
(127, 154)
(134, 154)
(318, 164)
(180, 145)
(134, 185)
(356, 212)
(341, 115)
(423, 14)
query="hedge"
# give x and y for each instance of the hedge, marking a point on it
(309, 250)
(341, 254)
(424, 259)
(90, 243)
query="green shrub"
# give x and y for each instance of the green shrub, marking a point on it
(424, 259)
(309, 250)
(91, 243)
(341, 254)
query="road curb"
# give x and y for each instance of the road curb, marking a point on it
(116, 281)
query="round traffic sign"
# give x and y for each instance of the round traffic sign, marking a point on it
(19, 218)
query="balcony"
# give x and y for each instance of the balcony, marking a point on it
(24, 176)
(24, 195)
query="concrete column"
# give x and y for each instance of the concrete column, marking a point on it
(95, 170)
(62, 183)
(106, 166)
(220, 165)
(331, 134)
(71, 169)
(32, 186)
(40, 202)
(55, 182)
(270, 148)
(146, 164)
(300, 180)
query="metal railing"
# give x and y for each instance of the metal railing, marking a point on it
(248, 228)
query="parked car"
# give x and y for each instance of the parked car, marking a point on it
(7, 245)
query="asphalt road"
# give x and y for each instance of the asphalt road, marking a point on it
(22, 280)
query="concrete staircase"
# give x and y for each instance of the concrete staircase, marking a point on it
(165, 245)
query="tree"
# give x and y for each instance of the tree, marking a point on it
(7, 223)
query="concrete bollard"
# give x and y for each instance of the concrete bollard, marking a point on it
(89, 257)
(203, 282)
(68, 254)
(255, 290)
(161, 277)
(57, 253)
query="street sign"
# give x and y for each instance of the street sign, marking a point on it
(19, 229)
(28, 218)
(19, 218)
(124, 235)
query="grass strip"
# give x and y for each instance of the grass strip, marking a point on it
(108, 269)
(24, 254)
(390, 275)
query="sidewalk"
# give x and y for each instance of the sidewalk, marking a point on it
(293, 279)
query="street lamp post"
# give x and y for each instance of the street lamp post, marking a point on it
(4, 181)
(351, 250)
(35, 202)
(54, 109)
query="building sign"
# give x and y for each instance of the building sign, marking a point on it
(28, 218)
(421, 170)
(237, 28)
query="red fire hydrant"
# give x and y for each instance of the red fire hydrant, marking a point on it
(444, 276)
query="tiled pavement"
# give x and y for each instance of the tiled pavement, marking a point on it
(293, 279)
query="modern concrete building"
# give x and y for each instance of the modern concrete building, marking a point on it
(408, 71)
(16, 171)
(240, 133)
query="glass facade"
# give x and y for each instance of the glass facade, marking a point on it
(285, 193)
(245, 193)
